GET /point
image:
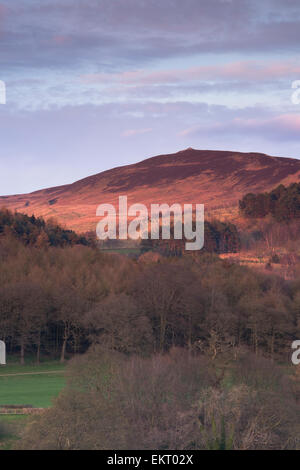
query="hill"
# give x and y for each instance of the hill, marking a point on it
(215, 178)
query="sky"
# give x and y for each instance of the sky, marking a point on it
(96, 84)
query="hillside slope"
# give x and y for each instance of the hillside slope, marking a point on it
(215, 178)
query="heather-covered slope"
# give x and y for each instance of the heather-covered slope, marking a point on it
(215, 178)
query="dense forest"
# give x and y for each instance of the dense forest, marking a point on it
(62, 300)
(59, 296)
(175, 401)
(166, 352)
(220, 237)
(32, 230)
(283, 203)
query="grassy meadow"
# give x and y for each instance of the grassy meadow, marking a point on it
(31, 384)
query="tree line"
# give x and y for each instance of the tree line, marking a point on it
(283, 203)
(32, 230)
(60, 301)
(219, 237)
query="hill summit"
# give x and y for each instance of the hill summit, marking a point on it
(215, 178)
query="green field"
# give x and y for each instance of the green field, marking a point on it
(30, 384)
(35, 385)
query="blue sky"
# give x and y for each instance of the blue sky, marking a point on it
(97, 84)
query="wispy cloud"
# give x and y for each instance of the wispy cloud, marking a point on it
(134, 132)
(256, 70)
(102, 83)
(281, 127)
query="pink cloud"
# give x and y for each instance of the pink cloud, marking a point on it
(285, 126)
(289, 121)
(242, 70)
(61, 39)
(284, 122)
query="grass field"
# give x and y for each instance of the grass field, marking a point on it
(31, 384)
